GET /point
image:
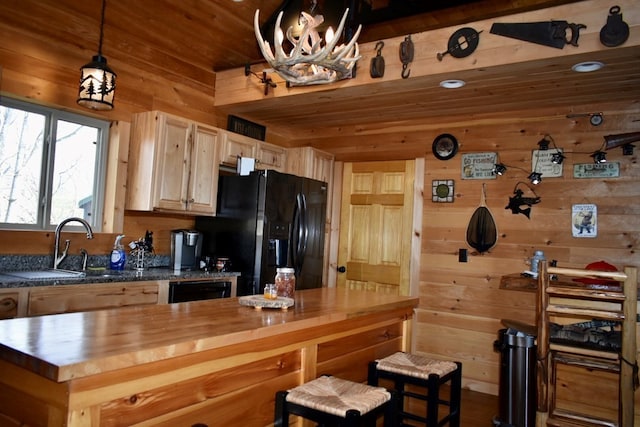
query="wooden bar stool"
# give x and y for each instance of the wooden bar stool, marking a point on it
(405, 368)
(332, 401)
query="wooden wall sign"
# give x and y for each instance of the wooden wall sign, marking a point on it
(541, 162)
(599, 170)
(584, 220)
(478, 165)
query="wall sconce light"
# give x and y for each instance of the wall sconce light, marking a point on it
(499, 169)
(557, 158)
(544, 143)
(311, 60)
(599, 157)
(535, 178)
(97, 80)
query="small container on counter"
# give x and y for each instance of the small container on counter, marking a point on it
(285, 282)
(270, 291)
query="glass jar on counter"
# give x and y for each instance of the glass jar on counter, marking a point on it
(285, 282)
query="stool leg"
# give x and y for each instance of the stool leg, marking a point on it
(281, 415)
(399, 387)
(456, 396)
(372, 377)
(433, 390)
(391, 410)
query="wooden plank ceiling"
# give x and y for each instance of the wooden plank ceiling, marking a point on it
(190, 41)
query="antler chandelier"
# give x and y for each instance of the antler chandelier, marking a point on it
(310, 61)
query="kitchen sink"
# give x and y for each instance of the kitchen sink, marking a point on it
(48, 274)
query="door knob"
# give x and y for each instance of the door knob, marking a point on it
(342, 269)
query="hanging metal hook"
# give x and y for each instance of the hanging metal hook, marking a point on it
(406, 55)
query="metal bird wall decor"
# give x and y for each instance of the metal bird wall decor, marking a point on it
(518, 201)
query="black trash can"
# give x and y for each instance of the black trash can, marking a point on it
(517, 392)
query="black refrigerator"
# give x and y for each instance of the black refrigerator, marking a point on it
(264, 221)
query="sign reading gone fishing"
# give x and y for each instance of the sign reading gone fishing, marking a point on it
(478, 165)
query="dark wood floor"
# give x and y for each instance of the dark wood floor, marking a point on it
(476, 409)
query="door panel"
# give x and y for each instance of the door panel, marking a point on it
(375, 226)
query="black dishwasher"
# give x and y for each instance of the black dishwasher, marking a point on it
(198, 290)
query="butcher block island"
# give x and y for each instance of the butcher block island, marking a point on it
(210, 363)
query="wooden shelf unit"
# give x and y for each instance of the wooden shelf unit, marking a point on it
(564, 298)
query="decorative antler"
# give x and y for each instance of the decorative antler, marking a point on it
(309, 62)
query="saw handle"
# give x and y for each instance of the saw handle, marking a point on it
(560, 31)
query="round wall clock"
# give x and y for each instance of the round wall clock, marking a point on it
(445, 146)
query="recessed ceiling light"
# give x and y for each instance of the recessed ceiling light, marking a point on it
(452, 84)
(587, 67)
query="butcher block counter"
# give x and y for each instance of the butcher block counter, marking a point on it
(211, 363)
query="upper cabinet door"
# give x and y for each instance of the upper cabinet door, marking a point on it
(271, 156)
(173, 163)
(236, 145)
(203, 179)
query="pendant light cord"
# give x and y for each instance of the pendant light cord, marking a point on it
(104, 2)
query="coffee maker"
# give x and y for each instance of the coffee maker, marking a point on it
(186, 247)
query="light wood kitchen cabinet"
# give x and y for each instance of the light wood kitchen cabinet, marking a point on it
(311, 163)
(268, 156)
(173, 164)
(94, 296)
(271, 156)
(235, 145)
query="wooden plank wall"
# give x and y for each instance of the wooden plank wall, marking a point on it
(461, 305)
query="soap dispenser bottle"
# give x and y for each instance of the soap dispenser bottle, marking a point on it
(118, 256)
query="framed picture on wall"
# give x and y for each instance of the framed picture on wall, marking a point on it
(584, 220)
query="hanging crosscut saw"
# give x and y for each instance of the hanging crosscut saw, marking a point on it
(552, 33)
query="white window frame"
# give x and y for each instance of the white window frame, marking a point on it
(52, 116)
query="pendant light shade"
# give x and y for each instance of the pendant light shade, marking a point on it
(97, 80)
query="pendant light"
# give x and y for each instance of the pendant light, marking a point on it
(97, 80)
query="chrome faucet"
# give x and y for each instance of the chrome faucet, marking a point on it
(58, 259)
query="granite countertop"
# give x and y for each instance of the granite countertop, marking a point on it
(110, 276)
(95, 272)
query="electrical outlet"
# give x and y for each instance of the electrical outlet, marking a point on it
(462, 255)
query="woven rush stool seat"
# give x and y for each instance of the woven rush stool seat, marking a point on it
(428, 374)
(333, 401)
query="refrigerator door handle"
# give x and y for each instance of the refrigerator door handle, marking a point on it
(302, 232)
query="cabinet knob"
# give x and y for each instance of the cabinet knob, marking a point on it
(342, 269)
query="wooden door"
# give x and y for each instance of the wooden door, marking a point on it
(172, 168)
(203, 174)
(375, 226)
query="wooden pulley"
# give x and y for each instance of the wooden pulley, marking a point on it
(406, 55)
(377, 62)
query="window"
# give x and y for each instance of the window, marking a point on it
(52, 166)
